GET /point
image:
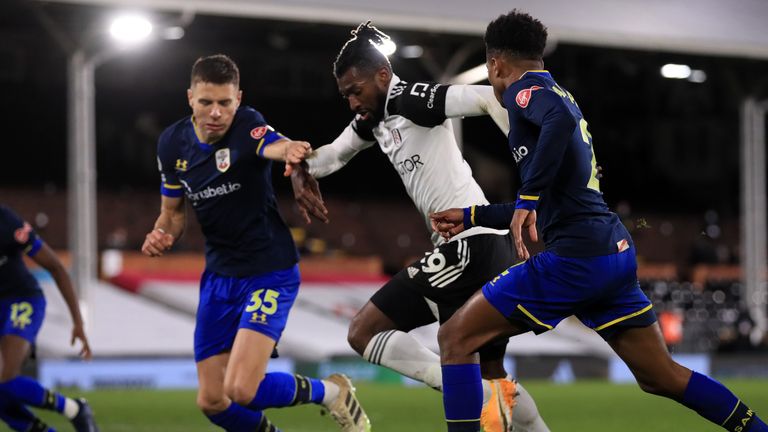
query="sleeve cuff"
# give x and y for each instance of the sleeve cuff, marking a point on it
(172, 191)
(469, 217)
(34, 247)
(528, 202)
(268, 139)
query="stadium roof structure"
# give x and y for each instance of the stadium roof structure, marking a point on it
(714, 27)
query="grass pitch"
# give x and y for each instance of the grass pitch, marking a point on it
(583, 406)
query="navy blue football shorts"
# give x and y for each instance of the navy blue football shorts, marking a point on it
(602, 292)
(22, 316)
(227, 304)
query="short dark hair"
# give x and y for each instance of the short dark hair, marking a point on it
(215, 69)
(361, 51)
(517, 35)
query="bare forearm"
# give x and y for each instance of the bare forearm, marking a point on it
(276, 151)
(171, 222)
(64, 283)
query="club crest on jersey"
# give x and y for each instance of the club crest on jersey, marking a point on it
(222, 159)
(524, 96)
(258, 133)
(396, 137)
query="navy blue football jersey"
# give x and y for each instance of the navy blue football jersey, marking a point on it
(553, 150)
(229, 185)
(16, 237)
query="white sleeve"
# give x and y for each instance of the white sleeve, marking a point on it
(332, 157)
(475, 100)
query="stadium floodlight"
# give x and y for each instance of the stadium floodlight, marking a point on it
(387, 47)
(697, 76)
(675, 71)
(412, 51)
(130, 28)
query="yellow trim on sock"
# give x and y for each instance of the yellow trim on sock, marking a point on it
(732, 412)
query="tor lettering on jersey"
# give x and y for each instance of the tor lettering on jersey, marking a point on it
(519, 153)
(409, 165)
(524, 96)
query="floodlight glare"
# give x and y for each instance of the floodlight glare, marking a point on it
(675, 71)
(387, 47)
(412, 51)
(130, 28)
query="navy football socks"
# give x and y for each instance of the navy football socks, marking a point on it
(462, 397)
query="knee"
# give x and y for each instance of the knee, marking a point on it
(449, 338)
(242, 392)
(669, 382)
(359, 334)
(210, 403)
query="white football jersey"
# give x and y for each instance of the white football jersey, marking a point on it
(417, 137)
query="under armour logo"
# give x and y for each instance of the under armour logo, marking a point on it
(181, 165)
(259, 318)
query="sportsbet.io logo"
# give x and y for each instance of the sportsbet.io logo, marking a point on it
(212, 192)
(519, 153)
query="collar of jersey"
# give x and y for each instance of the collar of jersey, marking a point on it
(204, 146)
(543, 73)
(392, 83)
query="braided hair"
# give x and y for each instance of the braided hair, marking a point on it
(361, 51)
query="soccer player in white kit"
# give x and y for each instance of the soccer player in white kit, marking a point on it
(410, 122)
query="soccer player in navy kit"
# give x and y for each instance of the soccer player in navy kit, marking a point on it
(408, 122)
(588, 268)
(22, 310)
(220, 160)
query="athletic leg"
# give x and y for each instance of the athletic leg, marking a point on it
(472, 326)
(379, 332)
(646, 355)
(15, 344)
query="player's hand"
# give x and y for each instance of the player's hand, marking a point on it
(447, 223)
(295, 152)
(523, 219)
(306, 191)
(157, 242)
(79, 334)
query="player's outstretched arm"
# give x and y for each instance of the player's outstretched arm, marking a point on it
(168, 227)
(475, 100)
(329, 158)
(48, 260)
(306, 191)
(288, 151)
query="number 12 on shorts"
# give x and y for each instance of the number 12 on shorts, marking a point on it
(263, 303)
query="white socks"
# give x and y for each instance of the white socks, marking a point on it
(526, 416)
(71, 408)
(331, 392)
(401, 352)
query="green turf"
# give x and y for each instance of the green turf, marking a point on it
(585, 406)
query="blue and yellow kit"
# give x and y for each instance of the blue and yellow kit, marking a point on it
(251, 277)
(588, 268)
(229, 185)
(22, 305)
